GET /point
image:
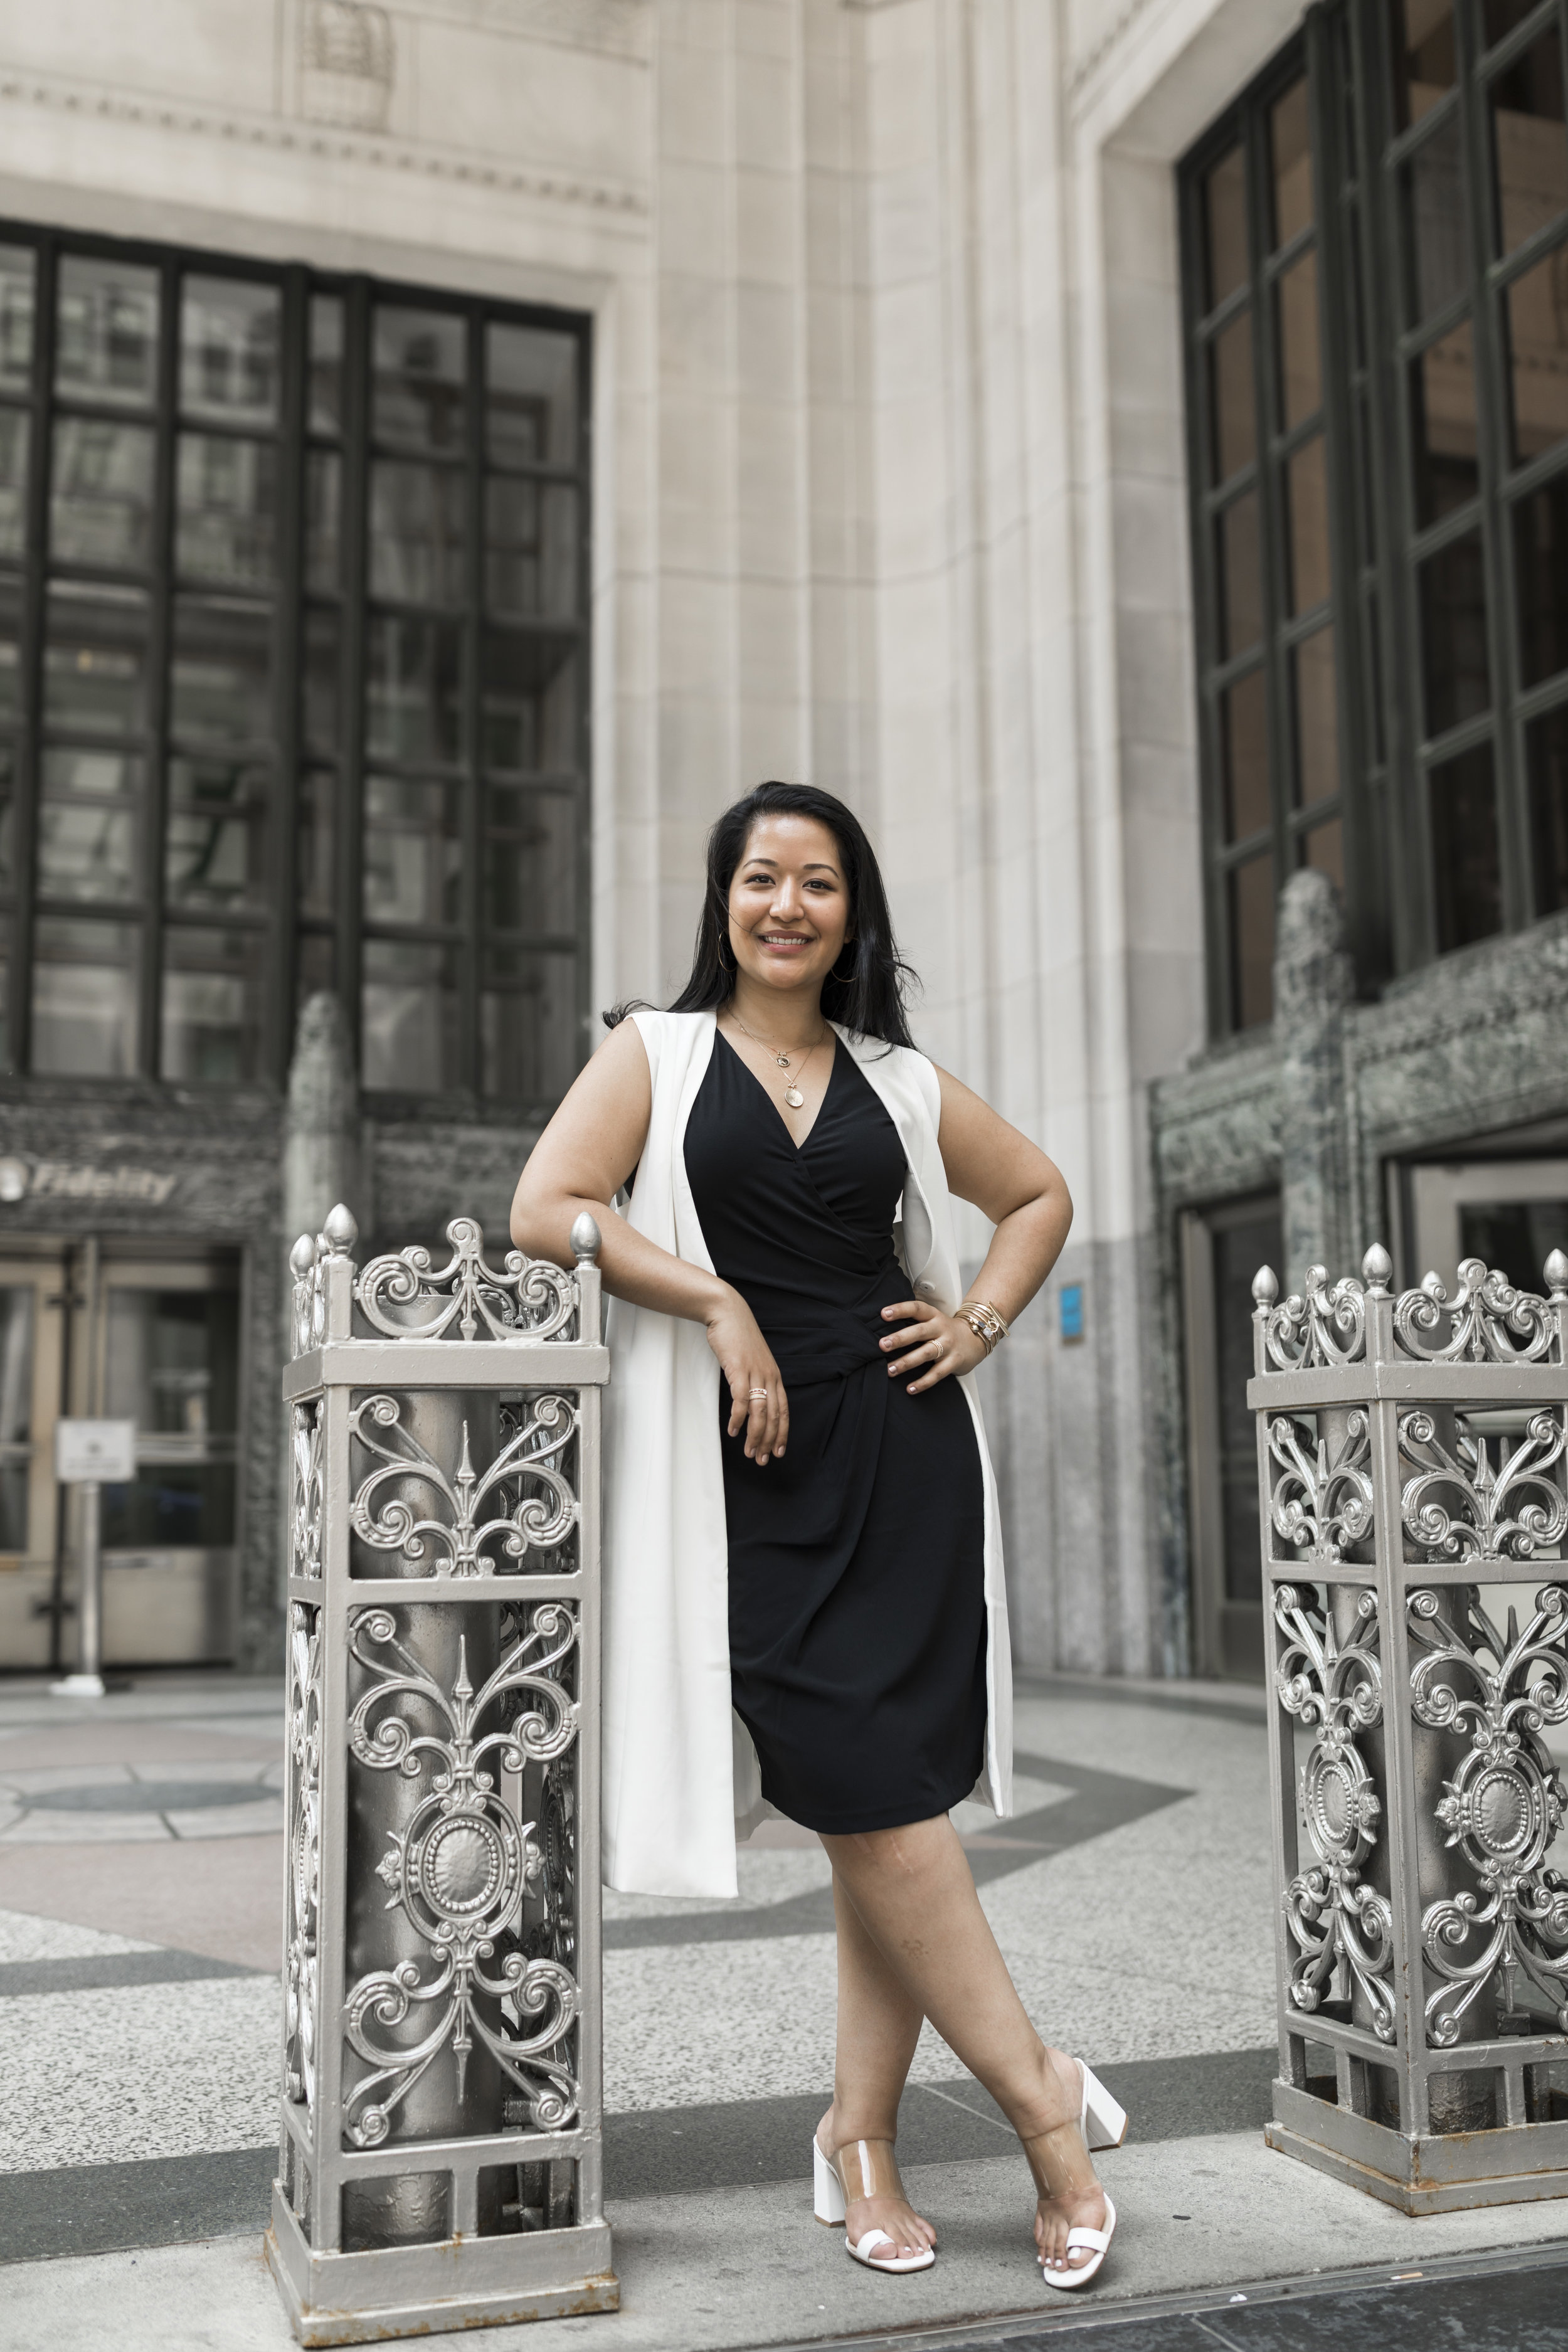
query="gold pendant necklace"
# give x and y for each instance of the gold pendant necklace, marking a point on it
(792, 1093)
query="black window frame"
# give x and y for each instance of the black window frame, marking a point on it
(1378, 542)
(279, 921)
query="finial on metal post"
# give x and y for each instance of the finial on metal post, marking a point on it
(340, 1232)
(303, 1258)
(1265, 1287)
(585, 1240)
(1556, 1273)
(1377, 1271)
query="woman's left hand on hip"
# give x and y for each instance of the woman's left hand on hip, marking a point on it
(933, 1344)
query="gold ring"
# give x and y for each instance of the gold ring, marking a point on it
(756, 1392)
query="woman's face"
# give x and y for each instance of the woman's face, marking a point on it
(789, 905)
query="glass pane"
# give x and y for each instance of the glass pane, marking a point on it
(530, 872)
(1290, 154)
(1301, 349)
(211, 1013)
(1499, 17)
(1233, 419)
(326, 363)
(417, 535)
(1317, 719)
(529, 688)
(101, 502)
(171, 1360)
(1518, 1236)
(323, 510)
(315, 967)
(7, 796)
(413, 688)
(1325, 850)
(10, 622)
(1529, 149)
(15, 316)
(1244, 729)
(95, 660)
(229, 331)
(1250, 889)
(323, 677)
(314, 860)
(531, 537)
(1540, 576)
(16, 1309)
(420, 372)
(1308, 489)
(1240, 581)
(221, 677)
(1467, 885)
(1546, 761)
(409, 1034)
(1432, 207)
(214, 842)
(413, 852)
(171, 1505)
(1537, 347)
(88, 811)
(227, 510)
(1454, 662)
(14, 428)
(1424, 55)
(531, 387)
(528, 1025)
(108, 344)
(1444, 438)
(84, 999)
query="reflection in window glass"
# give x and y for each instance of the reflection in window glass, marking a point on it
(1316, 718)
(88, 813)
(1325, 851)
(1498, 19)
(216, 834)
(106, 349)
(321, 682)
(15, 432)
(16, 1309)
(1541, 574)
(1530, 151)
(221, 674)
(1546, 760)
(528, 1044)
(1243, 730)
(1431, 199)
(413, 852)
(16, 316)
(1445, 446)
(1466, 876)
(1240, 575)
(1537, 351)
(418, 538)
(95, 659)
(531, 548)
(1455, 668)
(326, 363)
(84, 999)
(532, 394)
(413, 688)
(419, 362)
(530, 872)
(323, 521)
(228, 349)
(1301, 352)
(1308, 507)
(226, 500)
(171, 1360)
(1251, 894)
(101, 495)
(211, 1026)
(1291, 154)
(1426, 64)
(409, 1030)
(10, 621)
(170, 1506)
(527, 687)
(314, 860)
(1233, 419)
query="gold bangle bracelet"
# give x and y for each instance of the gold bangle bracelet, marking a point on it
(984, 1321)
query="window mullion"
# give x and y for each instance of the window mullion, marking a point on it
(287, 627)
(1267, 406)
(33, 591)
(348, 878)
(160, 658)
(469, 948)
(1216, 958)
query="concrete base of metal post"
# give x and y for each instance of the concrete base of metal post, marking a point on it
(463, 2283)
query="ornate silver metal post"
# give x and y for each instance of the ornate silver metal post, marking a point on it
(1411, 1463)
(441, 2159)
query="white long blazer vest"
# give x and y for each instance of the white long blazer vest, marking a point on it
(681, 1780)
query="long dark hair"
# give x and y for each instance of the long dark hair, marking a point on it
(868, 998)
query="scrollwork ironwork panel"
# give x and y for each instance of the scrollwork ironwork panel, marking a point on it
(305, 1490)
(461, 1868)
(1487, 1321)
(538, 1508)
(301, 1977)
(523, 1300)
(1319, 1506)
(1464, 1504)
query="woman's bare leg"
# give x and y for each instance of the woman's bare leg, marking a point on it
(914, 1894)
(878, 2025)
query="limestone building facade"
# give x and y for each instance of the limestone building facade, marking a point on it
(450, 447)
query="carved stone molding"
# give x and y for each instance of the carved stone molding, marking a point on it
(347, 63)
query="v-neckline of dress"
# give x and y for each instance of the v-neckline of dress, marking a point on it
(797, 1148)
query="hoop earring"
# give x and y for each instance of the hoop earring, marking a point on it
(843, 978)
(721, 942)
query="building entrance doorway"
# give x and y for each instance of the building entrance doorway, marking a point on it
(94, 1329)
(1222, 1249)
(1512, 1213)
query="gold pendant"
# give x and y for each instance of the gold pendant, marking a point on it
(794, 1097)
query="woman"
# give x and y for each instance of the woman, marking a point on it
(803, 1605)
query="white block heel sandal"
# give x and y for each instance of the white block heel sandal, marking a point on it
(1061, 2169)
(862, 2168)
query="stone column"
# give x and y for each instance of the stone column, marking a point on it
(1313, 986)
(324, 1155)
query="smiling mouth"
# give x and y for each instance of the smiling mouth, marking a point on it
(783, 940)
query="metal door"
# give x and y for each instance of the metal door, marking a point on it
(33, 1301)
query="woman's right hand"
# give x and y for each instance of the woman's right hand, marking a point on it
(747, 1363)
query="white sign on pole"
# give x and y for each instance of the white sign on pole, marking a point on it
(103, 1450)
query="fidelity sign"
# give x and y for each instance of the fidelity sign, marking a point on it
(64, 1180)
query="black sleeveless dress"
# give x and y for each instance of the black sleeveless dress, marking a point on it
(857, 1564)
